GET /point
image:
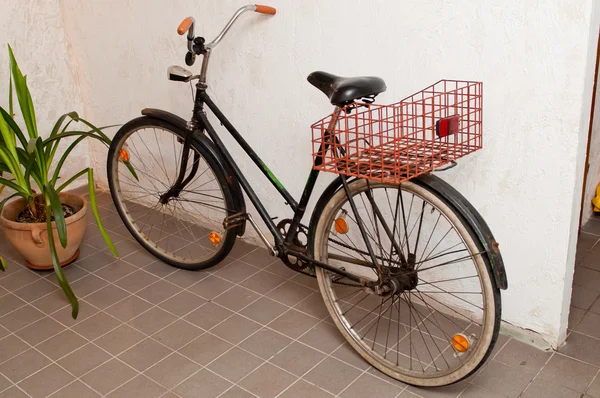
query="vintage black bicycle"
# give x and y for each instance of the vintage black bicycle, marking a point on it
(408, 269)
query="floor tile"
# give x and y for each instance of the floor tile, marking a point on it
(297, 358)
(332, 375)
(23, 365)
(115, 271)
(324, 337)
(570, 373)
(13, 392)
(208, 316)
(592, 227)
(159, 269)
(367, 385)
(158, 292)
(293, 323)
(141, 356)
(96, 325)
(523, 357)
(241, 249)
(267, 381)
(107, 296)
(129, 308)
(17, 280)
(349, 355)
(172, 370)
(595, 308)
(290, 293)
(152, 320)
(35, 290)
(84, 359)
(141, 258)
(235, 329)
(40, 330)
(185, 279)
(205, 348)
(587, 278)
(594, 388)
(98, 260)
(260, 258)
(546, 389)
(589, 325)
(10, 302)
(236, 298)
(583, 298)
(75, 390)
(237, 271)
(20, 318)
(280, 269)
(236, 392)
(303, 388)
(136, 281)
(119, 339)
(46, 381)
(4, 383)
(263, 282)
(452, 390)
(502, 378)
(210, 287)
(182, 303)
(52, 302)
(575, 315)
(477, 391)
(582, 347)
(313, 305)
(140, 387)
(65, 315)
(73, 273)
(61, 344)
(235, 364)
(209, 383)
(265, 343)
(108, 376)
(264, 310)
(178, 334)
(11, 346)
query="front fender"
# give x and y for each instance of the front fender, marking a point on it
(203, 140)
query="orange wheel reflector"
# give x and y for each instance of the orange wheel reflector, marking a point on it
(124, 155)
(215, 238)
(341, 226)
(460, 342)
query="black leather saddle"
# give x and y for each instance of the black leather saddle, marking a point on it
(343, 90)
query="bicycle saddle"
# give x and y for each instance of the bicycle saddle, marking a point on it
(343, 90)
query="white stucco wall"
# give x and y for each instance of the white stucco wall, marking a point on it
(593, 177)
(36, 32)
(533, 57)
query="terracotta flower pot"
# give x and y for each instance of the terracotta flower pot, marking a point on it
(31, 240)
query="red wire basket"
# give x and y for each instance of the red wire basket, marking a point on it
(397, 142)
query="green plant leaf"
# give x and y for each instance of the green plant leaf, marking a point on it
(10, 94)
(10, 142)
(97, 130)
(23, 96)
(94, 206)
(14, 186)
(63, 159)
(50, 151)
(3, 265)
(73, 134)
(3, 201)
(131, 170)
(57, 212)
(60, 276)
(70, 180)
(14, 126)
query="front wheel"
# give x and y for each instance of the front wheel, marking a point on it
(185, 231)
(442, 323)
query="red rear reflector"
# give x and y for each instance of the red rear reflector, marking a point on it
(447, 126)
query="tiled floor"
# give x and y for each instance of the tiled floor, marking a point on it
(247, 327)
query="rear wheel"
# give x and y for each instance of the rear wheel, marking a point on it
(186, 231)
(441, 325)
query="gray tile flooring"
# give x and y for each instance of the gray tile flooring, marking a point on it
(248, 327)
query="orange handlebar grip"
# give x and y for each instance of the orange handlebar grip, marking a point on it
(265, 9)
(184, 25)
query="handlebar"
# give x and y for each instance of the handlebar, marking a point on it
(196, 45)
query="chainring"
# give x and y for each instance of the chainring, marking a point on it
(299, 243)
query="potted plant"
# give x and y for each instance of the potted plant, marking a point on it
(27, 166)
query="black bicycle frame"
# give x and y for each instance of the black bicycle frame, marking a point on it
(200, 122)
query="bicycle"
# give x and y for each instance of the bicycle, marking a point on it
(408, 269)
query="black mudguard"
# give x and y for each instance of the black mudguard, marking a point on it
(454, 199)
(203, 140)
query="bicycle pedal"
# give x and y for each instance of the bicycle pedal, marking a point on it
(235, 220)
